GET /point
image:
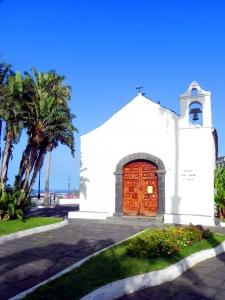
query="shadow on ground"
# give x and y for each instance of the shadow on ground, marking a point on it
(57, 211)
(31, 266)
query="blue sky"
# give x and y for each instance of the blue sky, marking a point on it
(106, 48)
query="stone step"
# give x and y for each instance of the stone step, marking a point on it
(87, 215)
(136, 220)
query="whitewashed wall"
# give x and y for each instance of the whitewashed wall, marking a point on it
(141, 126)
(187, 151)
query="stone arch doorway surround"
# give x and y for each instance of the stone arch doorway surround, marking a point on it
(119, 180)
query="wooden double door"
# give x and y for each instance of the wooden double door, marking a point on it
(140, 188)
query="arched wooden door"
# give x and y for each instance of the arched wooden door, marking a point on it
(140, 188)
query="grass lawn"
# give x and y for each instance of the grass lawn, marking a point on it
(109, 266)
(7, 227)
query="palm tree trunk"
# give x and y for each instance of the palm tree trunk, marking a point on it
(23, 165)
(47, 179)
(32, 160)
(6, 156)
(26, 166)
(30, 166)
(38, 165)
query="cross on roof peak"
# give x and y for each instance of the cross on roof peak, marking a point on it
(139, 88)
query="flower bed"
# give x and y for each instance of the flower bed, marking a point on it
(166, 241)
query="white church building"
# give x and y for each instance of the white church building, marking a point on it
(148, 161)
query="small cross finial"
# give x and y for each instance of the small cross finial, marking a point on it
(139, 88)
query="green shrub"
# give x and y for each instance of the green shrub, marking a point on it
(219, 185)
(167, 241)
(13, 204)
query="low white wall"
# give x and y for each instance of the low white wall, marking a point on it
(72, 201)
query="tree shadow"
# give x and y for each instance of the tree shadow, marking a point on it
(83, 186)
(176, 199)
(34, 265)
(83, 179)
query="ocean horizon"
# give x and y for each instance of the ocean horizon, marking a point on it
(57, 191)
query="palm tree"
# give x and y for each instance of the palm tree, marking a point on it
(11, 113)
(48, 121)
(5, 71)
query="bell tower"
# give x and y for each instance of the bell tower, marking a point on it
(195, 159)
(195, 107)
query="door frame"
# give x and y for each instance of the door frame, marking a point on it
(119, 180)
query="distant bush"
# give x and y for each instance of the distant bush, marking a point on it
(166, 241)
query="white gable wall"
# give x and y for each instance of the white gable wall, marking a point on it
(141, 126)
(187, 152)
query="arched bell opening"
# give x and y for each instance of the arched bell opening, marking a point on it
(195, 113)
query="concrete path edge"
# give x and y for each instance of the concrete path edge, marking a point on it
(68, 269)
(39, 229)
(129, 285)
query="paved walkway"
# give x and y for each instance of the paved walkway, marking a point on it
(27, 261)
(205, 281)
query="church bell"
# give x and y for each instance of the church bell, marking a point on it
(195, 117)
(195, 112)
